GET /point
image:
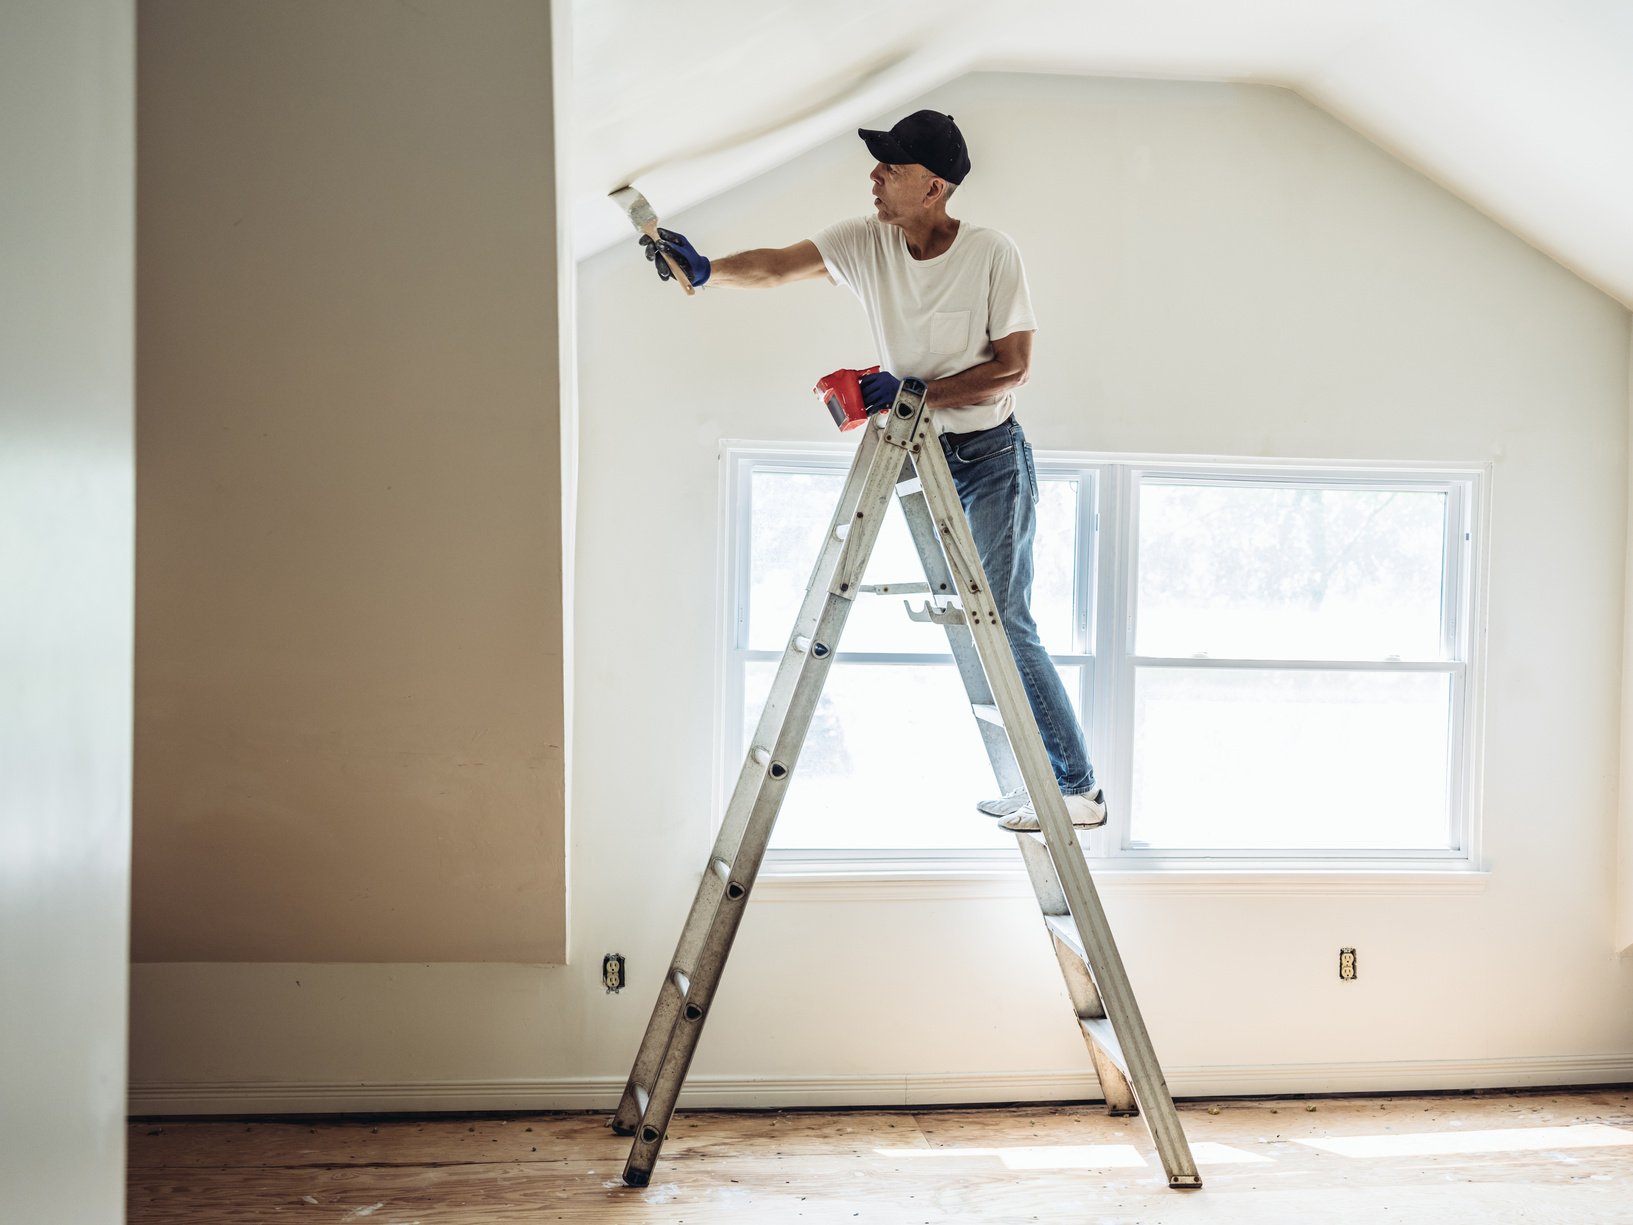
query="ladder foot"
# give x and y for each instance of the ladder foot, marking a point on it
(618, 1129)
(1116, 1114)
(1185, 1182)
(637, 1178)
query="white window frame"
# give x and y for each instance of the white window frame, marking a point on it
(1107, 517)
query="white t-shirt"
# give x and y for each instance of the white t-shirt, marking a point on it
(934, 317)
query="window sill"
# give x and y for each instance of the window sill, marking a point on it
(892, 880)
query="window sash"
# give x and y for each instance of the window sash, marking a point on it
(1104, 621)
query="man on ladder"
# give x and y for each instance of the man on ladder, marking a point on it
(948, 304)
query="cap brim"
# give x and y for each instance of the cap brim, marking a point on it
(884, 147)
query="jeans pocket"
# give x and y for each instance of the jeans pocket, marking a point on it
(1031, 470)
(988, 444)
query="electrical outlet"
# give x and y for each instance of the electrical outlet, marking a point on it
(612, 972)
(1346, 965)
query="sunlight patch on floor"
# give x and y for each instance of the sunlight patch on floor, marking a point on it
(1077, 1156)
(1504, 1140)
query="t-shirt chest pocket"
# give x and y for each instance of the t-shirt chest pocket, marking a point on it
(949, 331)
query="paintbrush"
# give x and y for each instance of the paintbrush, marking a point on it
(645, 220)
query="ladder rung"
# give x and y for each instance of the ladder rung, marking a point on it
(722, 869)
(1104, 1036)
(988, 712)
(762, 757)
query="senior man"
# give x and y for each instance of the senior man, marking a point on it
(948, 304)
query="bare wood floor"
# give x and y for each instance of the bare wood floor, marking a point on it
(1535, 1158)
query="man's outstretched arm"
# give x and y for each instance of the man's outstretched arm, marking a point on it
(768, 267)
(762, 268)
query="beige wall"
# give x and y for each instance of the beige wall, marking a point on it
(1624, 814)
(67, 470)
(349, 694)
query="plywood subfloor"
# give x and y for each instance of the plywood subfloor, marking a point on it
(1544, 1158)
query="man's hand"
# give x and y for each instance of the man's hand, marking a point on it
(879, 390)
(695, 266)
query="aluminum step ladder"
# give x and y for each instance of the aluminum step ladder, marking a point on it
(899, 456)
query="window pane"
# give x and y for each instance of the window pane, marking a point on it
(1055, 562)
(789, 513)
(1250, 759)
(1274, 572)
(893, 760)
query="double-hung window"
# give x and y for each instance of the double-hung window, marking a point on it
(1271, 662)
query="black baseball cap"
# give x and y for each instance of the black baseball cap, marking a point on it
(925, 138)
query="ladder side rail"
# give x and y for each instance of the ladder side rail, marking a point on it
(866, 514)
(921, 527)
(834, 546)
(1074, 969)
(1100, 948)
(1080, 986)
(751, 778)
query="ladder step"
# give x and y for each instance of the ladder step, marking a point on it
(1101, 1033)
(987, 712)
(1064, 928)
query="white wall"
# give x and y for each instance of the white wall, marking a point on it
(67, 471)
(1219, 270)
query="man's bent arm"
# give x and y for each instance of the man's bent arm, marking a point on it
(768, 267)
(1010, 364)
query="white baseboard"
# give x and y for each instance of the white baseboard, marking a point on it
(911, 1089)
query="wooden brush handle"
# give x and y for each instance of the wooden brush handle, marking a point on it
(650, 229)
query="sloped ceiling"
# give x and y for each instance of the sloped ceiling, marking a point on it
(1524, 108)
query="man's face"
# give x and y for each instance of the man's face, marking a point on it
(900, 193)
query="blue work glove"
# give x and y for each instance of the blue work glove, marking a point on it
(879, 390)
(695, 266)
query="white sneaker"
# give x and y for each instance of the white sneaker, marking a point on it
(1086, 811)
(1014, 801)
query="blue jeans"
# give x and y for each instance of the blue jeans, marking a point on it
(998, 485)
